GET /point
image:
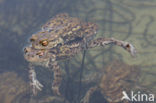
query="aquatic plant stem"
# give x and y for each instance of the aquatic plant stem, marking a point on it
(81, 73)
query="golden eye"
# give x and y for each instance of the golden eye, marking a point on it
(44, 42)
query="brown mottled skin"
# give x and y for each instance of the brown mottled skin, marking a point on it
(60, 38)
(118, 77)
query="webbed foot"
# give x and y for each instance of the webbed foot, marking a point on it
(34, 83)
(56, 90)
(130, 48)
(36, 86)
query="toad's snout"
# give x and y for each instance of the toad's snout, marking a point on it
(28, 54)
(34, 55)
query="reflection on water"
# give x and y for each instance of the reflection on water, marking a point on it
(130, 20)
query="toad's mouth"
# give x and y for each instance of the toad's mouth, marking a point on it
(35, 55)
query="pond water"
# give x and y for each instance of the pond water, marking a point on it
(128, 20)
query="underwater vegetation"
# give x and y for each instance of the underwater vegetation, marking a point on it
(110, 82)
(12, 87)
(116, 78)
(129, 20)
(15, 90)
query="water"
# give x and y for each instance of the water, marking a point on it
(129, 20)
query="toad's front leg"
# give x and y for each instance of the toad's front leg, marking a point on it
(57, 76)
(105, 41)
(34, 83)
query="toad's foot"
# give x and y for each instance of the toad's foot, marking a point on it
(105, 41)
(55, 90)
(34, 83)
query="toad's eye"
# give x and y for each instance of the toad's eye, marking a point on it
(25, 50)
(44, 42)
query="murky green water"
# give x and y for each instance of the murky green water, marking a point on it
(129, 20)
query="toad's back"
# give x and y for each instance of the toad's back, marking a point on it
(62, 29)
(66, 26)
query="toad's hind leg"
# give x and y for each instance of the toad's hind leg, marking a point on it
(34, 83)
(105, 41)
(57, 76)
(89, 93)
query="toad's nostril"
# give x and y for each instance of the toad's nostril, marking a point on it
(32, 39)
(25, 50)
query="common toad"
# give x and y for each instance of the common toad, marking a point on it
(60, 38)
